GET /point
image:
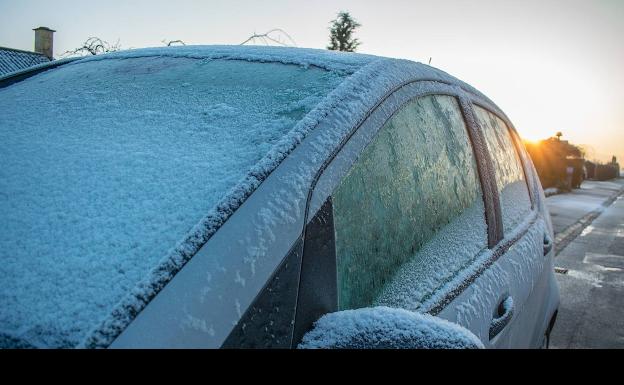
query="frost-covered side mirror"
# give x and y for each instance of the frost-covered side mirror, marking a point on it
(387, 328)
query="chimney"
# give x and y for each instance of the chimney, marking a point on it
(44, 41)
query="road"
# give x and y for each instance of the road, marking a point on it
(589, 225)
(572, 212)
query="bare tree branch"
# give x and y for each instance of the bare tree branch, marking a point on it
(94, 46)
(169, 43)
(275, 35)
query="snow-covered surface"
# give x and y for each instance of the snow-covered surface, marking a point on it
(256, 253)
(521, 273)
(335, 117)
(515, 204)
(258, 249)
(344, 63)
(115, 162)
(387, 328)
(444, 260)
(551, 191)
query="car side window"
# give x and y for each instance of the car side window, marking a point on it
(409, 214)
(510, 178)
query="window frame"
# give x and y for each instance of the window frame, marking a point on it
(498, 245)
(523, 163)
(319, 196)
(363, 273)
(518, 147)
(503, 242)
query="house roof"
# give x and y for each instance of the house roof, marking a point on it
(12, 60)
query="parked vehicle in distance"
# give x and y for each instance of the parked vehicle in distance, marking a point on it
(214, 196)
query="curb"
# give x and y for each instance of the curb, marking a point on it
(564, 238)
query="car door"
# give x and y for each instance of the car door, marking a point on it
(505, 303)
(398, 215)
(526, 235)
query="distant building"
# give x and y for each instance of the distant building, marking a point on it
(12, 60)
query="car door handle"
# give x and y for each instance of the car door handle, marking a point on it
(548, 244)
(504, 314)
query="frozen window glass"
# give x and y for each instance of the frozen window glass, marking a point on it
(512, 187)
(411, 204)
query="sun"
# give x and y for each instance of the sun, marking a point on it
(532, 137)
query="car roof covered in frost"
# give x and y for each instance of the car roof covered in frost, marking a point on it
(112, 181)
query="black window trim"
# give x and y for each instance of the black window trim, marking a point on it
(238, 337)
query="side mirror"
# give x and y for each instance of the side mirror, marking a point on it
(387, 328)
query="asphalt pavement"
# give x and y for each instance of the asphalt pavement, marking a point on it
(589, 224)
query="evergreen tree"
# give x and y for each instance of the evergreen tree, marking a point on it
(341, 33)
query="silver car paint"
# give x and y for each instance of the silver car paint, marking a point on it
(204, 301)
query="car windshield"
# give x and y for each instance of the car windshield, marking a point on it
(107, 165)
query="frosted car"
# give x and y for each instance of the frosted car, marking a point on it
(206, 197)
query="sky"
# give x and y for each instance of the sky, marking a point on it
(551, 65)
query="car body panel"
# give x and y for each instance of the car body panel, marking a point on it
(205, 301)
(514, 268)
(243, 254)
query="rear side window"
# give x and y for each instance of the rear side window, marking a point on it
(409, 214)
(510, 180)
